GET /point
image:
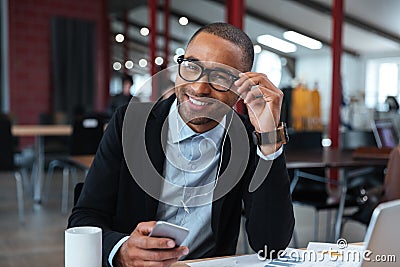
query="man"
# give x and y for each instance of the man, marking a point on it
(122, 98)
(207, 168)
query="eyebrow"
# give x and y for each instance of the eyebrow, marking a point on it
(193, 58)
(217, 68)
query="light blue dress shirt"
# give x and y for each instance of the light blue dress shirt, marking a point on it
(192, 165)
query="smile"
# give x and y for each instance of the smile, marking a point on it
(197, 102)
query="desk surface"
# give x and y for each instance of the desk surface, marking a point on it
(41, 130)
(83, 161)
(333, 158)
(329, 158)
(184, 263)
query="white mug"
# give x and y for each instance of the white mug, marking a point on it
(83, 247)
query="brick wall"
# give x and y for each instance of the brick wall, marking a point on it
(29, 52)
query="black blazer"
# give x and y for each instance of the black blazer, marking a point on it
(112, 200)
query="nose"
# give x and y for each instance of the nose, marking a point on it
(202, 87)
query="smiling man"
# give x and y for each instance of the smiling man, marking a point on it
(211, 160)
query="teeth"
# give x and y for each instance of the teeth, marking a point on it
(196, 102)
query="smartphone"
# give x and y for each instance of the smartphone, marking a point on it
(169, 230)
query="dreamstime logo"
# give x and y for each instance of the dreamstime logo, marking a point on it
(340, 254)
(341, 243)
(144, 135)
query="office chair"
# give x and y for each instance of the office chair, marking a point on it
(361, 178)
(309, 186)
(390, 190)
(13, 162)
(54, 146)
(86, 136)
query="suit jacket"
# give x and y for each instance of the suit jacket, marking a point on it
(112, 200)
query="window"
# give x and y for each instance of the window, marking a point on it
(387, 80)
(382, 80)
(270, 64)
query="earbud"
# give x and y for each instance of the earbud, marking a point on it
(185, 207)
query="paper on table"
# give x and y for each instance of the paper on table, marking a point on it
(331, 255)
(317, 246)
(249, 261)
(239, 261)
(292, 258)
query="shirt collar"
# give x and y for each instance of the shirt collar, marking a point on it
(180, 131)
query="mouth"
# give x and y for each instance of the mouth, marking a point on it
(199, 102)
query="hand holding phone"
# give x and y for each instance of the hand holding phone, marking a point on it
(169, 230)
(140, 249)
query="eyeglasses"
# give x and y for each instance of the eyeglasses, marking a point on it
(191, 71)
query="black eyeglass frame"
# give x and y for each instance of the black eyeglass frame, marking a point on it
(205, 71)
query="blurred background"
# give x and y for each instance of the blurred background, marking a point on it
(66, 58)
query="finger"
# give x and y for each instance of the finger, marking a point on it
(256, 95)
(242, 78)
(147, 242)
(145, 227)
(264, 82)
(244, 85)
(162, 255)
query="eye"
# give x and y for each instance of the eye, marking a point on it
(189, 66)
(219, 76)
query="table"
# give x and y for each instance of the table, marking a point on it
(332, 158)
(184, 263)
(325, 158)
(38, 131)
(83, 161)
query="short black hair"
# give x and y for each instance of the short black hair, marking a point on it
(127, 78)
(235, 36)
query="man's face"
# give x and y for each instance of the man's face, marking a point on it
(200, 106)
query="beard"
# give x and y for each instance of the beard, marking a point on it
(200, 121)
(212, 110)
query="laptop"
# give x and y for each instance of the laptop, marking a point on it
(385, 133)
(383, 235)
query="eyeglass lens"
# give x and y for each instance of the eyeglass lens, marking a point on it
(219, 80)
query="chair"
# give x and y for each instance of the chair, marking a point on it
(361, 178)
(10, 162)
(390, 190)
(86, 136)
(54, 146)
(308, 186)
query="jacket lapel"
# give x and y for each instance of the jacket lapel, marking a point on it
(155, 136)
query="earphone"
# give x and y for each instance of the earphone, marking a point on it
(184, 203)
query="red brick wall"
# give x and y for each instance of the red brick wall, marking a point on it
(29, 52)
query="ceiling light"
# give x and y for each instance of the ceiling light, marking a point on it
(176, 58)
(159, 61)
(283, 61)
(117, 66)
(183, 21)
(143, 63)
(144, 31)
(129, 64)
(303, 40)
(276, 43)
(257, 49)
(179, 51)
(326, 142)
(119, 38)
